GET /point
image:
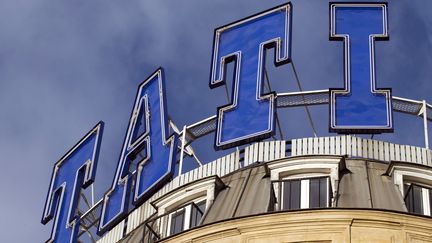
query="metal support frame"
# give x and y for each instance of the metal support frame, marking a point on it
(92, 195)
(187, 148)
(425, 123)
(309, 98)
(89, 218)
(183, 142)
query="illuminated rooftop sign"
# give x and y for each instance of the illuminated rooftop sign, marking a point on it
(149, 152)
(73, 171)
(245, 42)
(360, 107)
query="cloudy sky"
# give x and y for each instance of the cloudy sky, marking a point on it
(65, 65)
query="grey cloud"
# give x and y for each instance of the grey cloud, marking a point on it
(65, 65)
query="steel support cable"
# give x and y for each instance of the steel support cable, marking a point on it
(277, 116)
(306, 106)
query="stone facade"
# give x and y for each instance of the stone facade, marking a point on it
(313, 226)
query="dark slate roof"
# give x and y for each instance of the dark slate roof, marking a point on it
(248, 191)
(365, 185)
(362, 185)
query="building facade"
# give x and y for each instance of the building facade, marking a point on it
(327, 189)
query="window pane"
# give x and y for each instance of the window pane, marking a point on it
(408, 197)
(197, 214)
(177, 222)
(295, 194)
(314, 193)
(418, 200)
(318, 192)
(324, 192)
(414, 199)
(286, 194)
(430, 200)
(291, 194)
(202, 207)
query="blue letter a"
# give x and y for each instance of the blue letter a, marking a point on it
(148, 153)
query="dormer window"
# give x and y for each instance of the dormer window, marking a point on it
(300, 182)
(307, 192)
(319, 192)
(415, 184)
(184, 207)
(186, 217)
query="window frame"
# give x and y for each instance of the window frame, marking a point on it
(195, 192)
(305, 192)
(187, 218)
(170, 220)
(197, 222)
(307, 167)
(426, 200)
